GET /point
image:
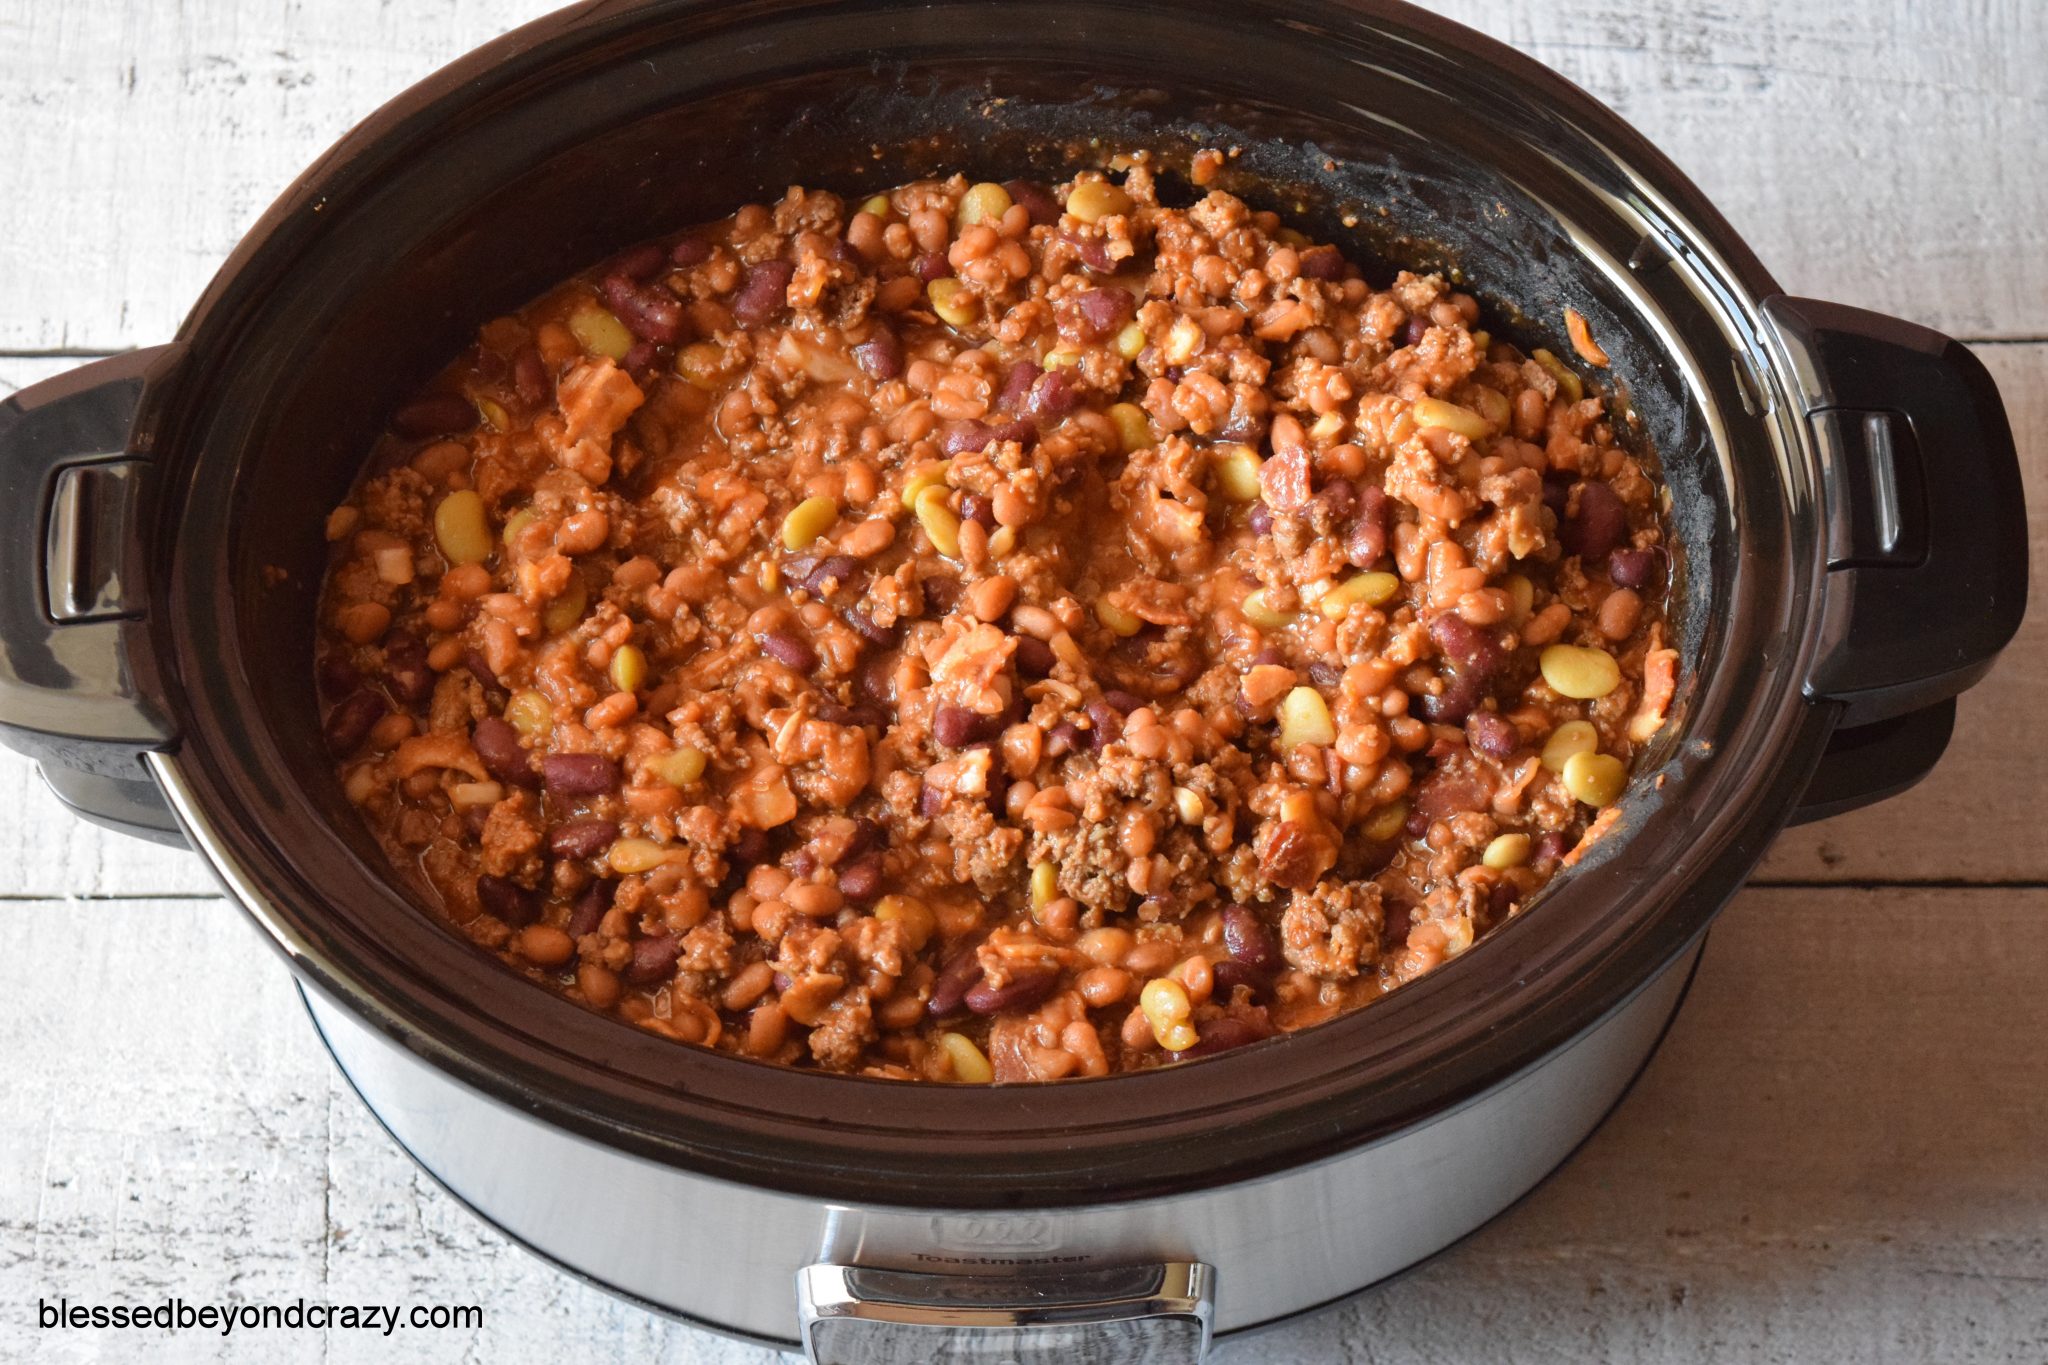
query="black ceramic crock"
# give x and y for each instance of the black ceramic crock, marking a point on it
(1845, 501)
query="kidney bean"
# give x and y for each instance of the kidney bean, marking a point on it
(760, 295)
(1036, 199)
(1054, 395)
(956, 727)
(480, 668)
(1108, 722)
(1034, 657)
(1249, 940)
(864, 626)
(931, 265)
(1367, 539)
(860, 881)
(653, 958)
(530, 377)
(949, 988)
(489, 365)
(1259, 518)
(1417, 328)
(1601, 523)
(639, 358)
(867, 836)
(406, 672)
(507, 899)
(579, 774)
(434, 414)
(640, 262)
(941, 593)
(1229, 974)
(650, 312)
(1092, 251)
(843, 570)
(497, 744)
(1322, 263)
(1492, 734)
(802, 864)
(590, 907)
(978, 509)
(1463, 691)
(960, 437)
(1017, 429)
(1502, 899)
(1123, 701)
(860, 714)
(690, 251)
(1549, 848)
(749, 848)
(880, 357)
(930, 801)
(1103, 311)
(1020, 992)
(350, 723)
(1220, 1035)
(790, 650)
(1339, 498)
(1017, 386)
(582, 838)
(1444, 793)
(1468, 647)
(1635, 568)
(338, 675)
(1325, 674)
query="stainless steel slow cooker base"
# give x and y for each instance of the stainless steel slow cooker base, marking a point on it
(659, 1235)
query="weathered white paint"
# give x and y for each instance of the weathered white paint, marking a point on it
(1836, 1157)
(1885, 153)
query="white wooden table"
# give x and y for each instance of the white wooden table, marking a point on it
(1840, 1155)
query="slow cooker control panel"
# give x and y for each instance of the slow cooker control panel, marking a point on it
(1156, 1314)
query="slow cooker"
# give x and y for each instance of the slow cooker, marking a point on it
(1845, 503)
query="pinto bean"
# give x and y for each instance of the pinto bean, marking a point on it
(579, 774)
(582, 838)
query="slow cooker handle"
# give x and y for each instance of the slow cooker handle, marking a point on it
(76, 677)
(1925, 527)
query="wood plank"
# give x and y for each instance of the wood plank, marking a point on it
(1965, 822)
(1834, 1159)
(1976, 818)
(1884, 154)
